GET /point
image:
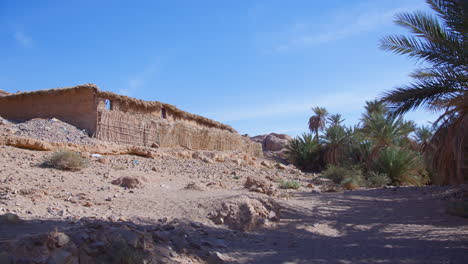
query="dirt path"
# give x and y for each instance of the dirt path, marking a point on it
(368, 226)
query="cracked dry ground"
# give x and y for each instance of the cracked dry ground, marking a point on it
(392, 225)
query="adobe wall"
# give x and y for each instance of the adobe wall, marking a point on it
(115, 126)
(74, 106)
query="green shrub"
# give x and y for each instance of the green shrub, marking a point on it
(305, 153)
(377, 179)
(335, 173)
(350, 177)
(289, 184)
(403, 166)
(66, 160)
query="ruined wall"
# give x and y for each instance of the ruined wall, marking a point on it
(74, 106)
(115, 126)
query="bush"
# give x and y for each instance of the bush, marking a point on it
(377, 179)
(350, 177)
(403, 167)
(305, 153)
(335, 173)
(66, 160)
(289, 184)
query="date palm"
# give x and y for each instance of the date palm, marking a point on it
(423, 135)
(318, 121)
(335, 120)
(334, 139)
(441, 42)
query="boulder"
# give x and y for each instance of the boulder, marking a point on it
(9, 218)
(272, 141)
(256, 184)
(275, 142)
(245, 214)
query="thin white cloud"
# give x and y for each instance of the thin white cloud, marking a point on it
(337, 102)
(138, 80)
(23, 39)
(352, 23)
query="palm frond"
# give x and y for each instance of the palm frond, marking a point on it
(417, 94)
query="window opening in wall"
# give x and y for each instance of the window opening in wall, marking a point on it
(163, 113)
(108, 104)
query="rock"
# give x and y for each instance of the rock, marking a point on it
(208, 160)
(3, 121)
(184, 154)
(197, 155)
(194, 186)
(244, 213)
(128, 182)
(280, 166)
(9, 218)
(220, 158)
(257, 184)
(216, 258)
(272, 216)
(60, 239)
(87, 204)
(238, 162)
(103, 160)
(140, 151)
(273, 141)
(266, 164)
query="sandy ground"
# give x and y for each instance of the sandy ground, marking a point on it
(391, 225)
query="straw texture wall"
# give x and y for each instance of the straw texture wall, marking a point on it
(136, 106)
(115, 126)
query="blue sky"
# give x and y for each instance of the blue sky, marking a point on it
(257, 65)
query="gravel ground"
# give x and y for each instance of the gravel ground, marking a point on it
(389, 225)
(52, 130)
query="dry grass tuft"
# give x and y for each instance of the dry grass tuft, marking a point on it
(66, 160)
(289, 184)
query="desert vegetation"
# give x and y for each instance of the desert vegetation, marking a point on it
(66, 160)
(440, 42)
(384, 148)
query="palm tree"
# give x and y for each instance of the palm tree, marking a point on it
(334, 139)
(335, 120)
(318, 121)
(423, 135)
(441, 42)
